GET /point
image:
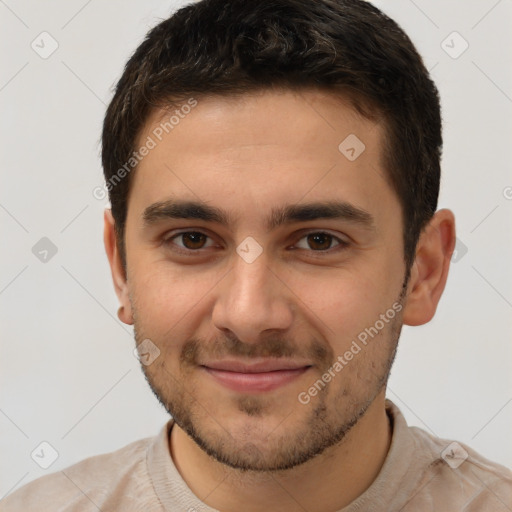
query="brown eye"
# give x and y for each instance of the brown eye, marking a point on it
(321, 242)
(189, 240)
(193, 240)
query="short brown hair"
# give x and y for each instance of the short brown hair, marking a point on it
(231, 47)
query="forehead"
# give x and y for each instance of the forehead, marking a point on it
(261, 150)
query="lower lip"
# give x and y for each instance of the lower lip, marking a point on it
(255, 382)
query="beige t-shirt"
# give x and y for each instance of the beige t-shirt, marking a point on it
(415, 477)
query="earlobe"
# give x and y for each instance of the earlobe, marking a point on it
(116, 267)
(430, 268)
(124, 316)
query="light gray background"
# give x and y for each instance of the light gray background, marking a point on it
(68, 374)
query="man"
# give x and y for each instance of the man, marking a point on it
(273, 171)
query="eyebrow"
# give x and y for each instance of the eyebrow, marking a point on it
(288, 214)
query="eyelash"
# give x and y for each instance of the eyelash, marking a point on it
(341, 244)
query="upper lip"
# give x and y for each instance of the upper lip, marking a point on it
(266, 365)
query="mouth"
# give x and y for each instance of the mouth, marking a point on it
(262, 376)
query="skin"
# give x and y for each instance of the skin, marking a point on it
(300, 299)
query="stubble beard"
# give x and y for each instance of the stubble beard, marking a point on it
(329, 420)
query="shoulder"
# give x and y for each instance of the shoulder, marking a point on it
(85, 485)
(459, 475)
(425, 472)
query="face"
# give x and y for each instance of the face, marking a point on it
(266, 265)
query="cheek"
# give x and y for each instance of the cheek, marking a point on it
(348, 314)
(166, 300)
(343, 303)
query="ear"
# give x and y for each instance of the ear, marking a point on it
(116, 268)
(429, 271)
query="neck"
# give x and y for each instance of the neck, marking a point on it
(329, 481)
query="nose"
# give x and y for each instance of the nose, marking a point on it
(252, 299)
